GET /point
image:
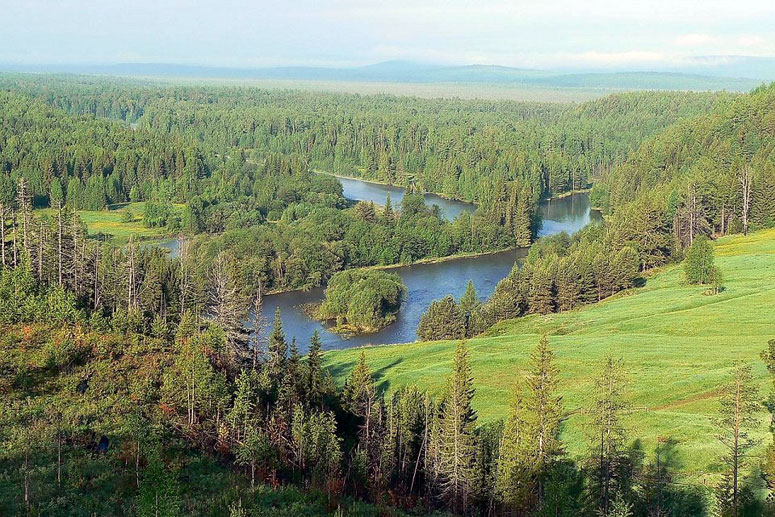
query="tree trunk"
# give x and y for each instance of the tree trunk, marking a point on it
(2, 232)
(59, 242)
(40, 254)
(745, 185)
(15, 245)
(137, 464)
(59, 459)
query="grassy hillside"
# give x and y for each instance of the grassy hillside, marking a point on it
(678, 344)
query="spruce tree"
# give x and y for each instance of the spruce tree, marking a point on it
(359, 395)
(737, 417)
(315, 371)
(442, 320)
(522, 227)
(388, 215)
(568, 286)
(540, 297)
(469, 302)
(456, 440)
(607, 433)
(512, 482)
(278, 351)
(531, 443)
(543, 414)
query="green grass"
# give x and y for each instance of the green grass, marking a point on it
(678, 344)
(111, 223)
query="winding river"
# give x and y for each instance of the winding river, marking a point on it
(424, 282)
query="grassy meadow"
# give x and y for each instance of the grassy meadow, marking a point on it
(678, 344)
(114, 224)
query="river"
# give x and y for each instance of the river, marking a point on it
(359, 190)
(424, 282)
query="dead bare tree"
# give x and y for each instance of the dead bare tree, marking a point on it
(258, 326)
(131, 299)
(185, 275)
(227, 307)
(24, 202)
(2, 231)
(746, 179)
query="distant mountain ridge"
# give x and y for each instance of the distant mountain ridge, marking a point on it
(705, 73)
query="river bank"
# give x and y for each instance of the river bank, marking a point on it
(426, 279)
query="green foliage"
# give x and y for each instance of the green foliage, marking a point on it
(698, 264)
(443, 320)
(454, 447)
(366, 300)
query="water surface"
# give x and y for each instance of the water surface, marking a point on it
(424, 282)
(359, 190)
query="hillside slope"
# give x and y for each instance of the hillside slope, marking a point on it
(678, 345)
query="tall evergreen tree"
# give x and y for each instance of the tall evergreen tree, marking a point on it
(607, 433)
(277, 350)
(737, 416)
(456, 440)
(442, 320)
(541, 299)
(543, 414)
(469, 302)
(359, 397)
(315, 370)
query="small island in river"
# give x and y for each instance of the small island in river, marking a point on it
(361, 301)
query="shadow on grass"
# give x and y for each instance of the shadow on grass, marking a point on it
(378, 376)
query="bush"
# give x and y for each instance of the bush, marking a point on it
(698, 265)
(366, 300)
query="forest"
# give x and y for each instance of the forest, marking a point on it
(135, 383)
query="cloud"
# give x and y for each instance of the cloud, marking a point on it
(751, 41)
(695, 40)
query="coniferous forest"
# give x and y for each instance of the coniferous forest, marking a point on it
(138, 383)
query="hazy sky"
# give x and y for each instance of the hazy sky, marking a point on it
(540, 34)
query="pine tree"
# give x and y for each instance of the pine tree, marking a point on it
(278, 351)
(540, 297)
(253, 450)
(568, 286)
(607, 434)
(315, 371)
(513, 479)
(365, 211)
(456, 442)
(388, 215)
(768, 466)
(531, 443)
(159, 492)
(228, 308)
(542, 414)
(698, 265)
(522, 227)
(739, 404)
(442, 320)
(243, 415)
(359, 396)
(291, 387)
(469, 302)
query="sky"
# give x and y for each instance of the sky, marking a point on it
(646, 34)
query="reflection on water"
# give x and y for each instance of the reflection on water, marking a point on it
(358, 190)
(425, 282)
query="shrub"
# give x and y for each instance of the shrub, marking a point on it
(698, 265)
